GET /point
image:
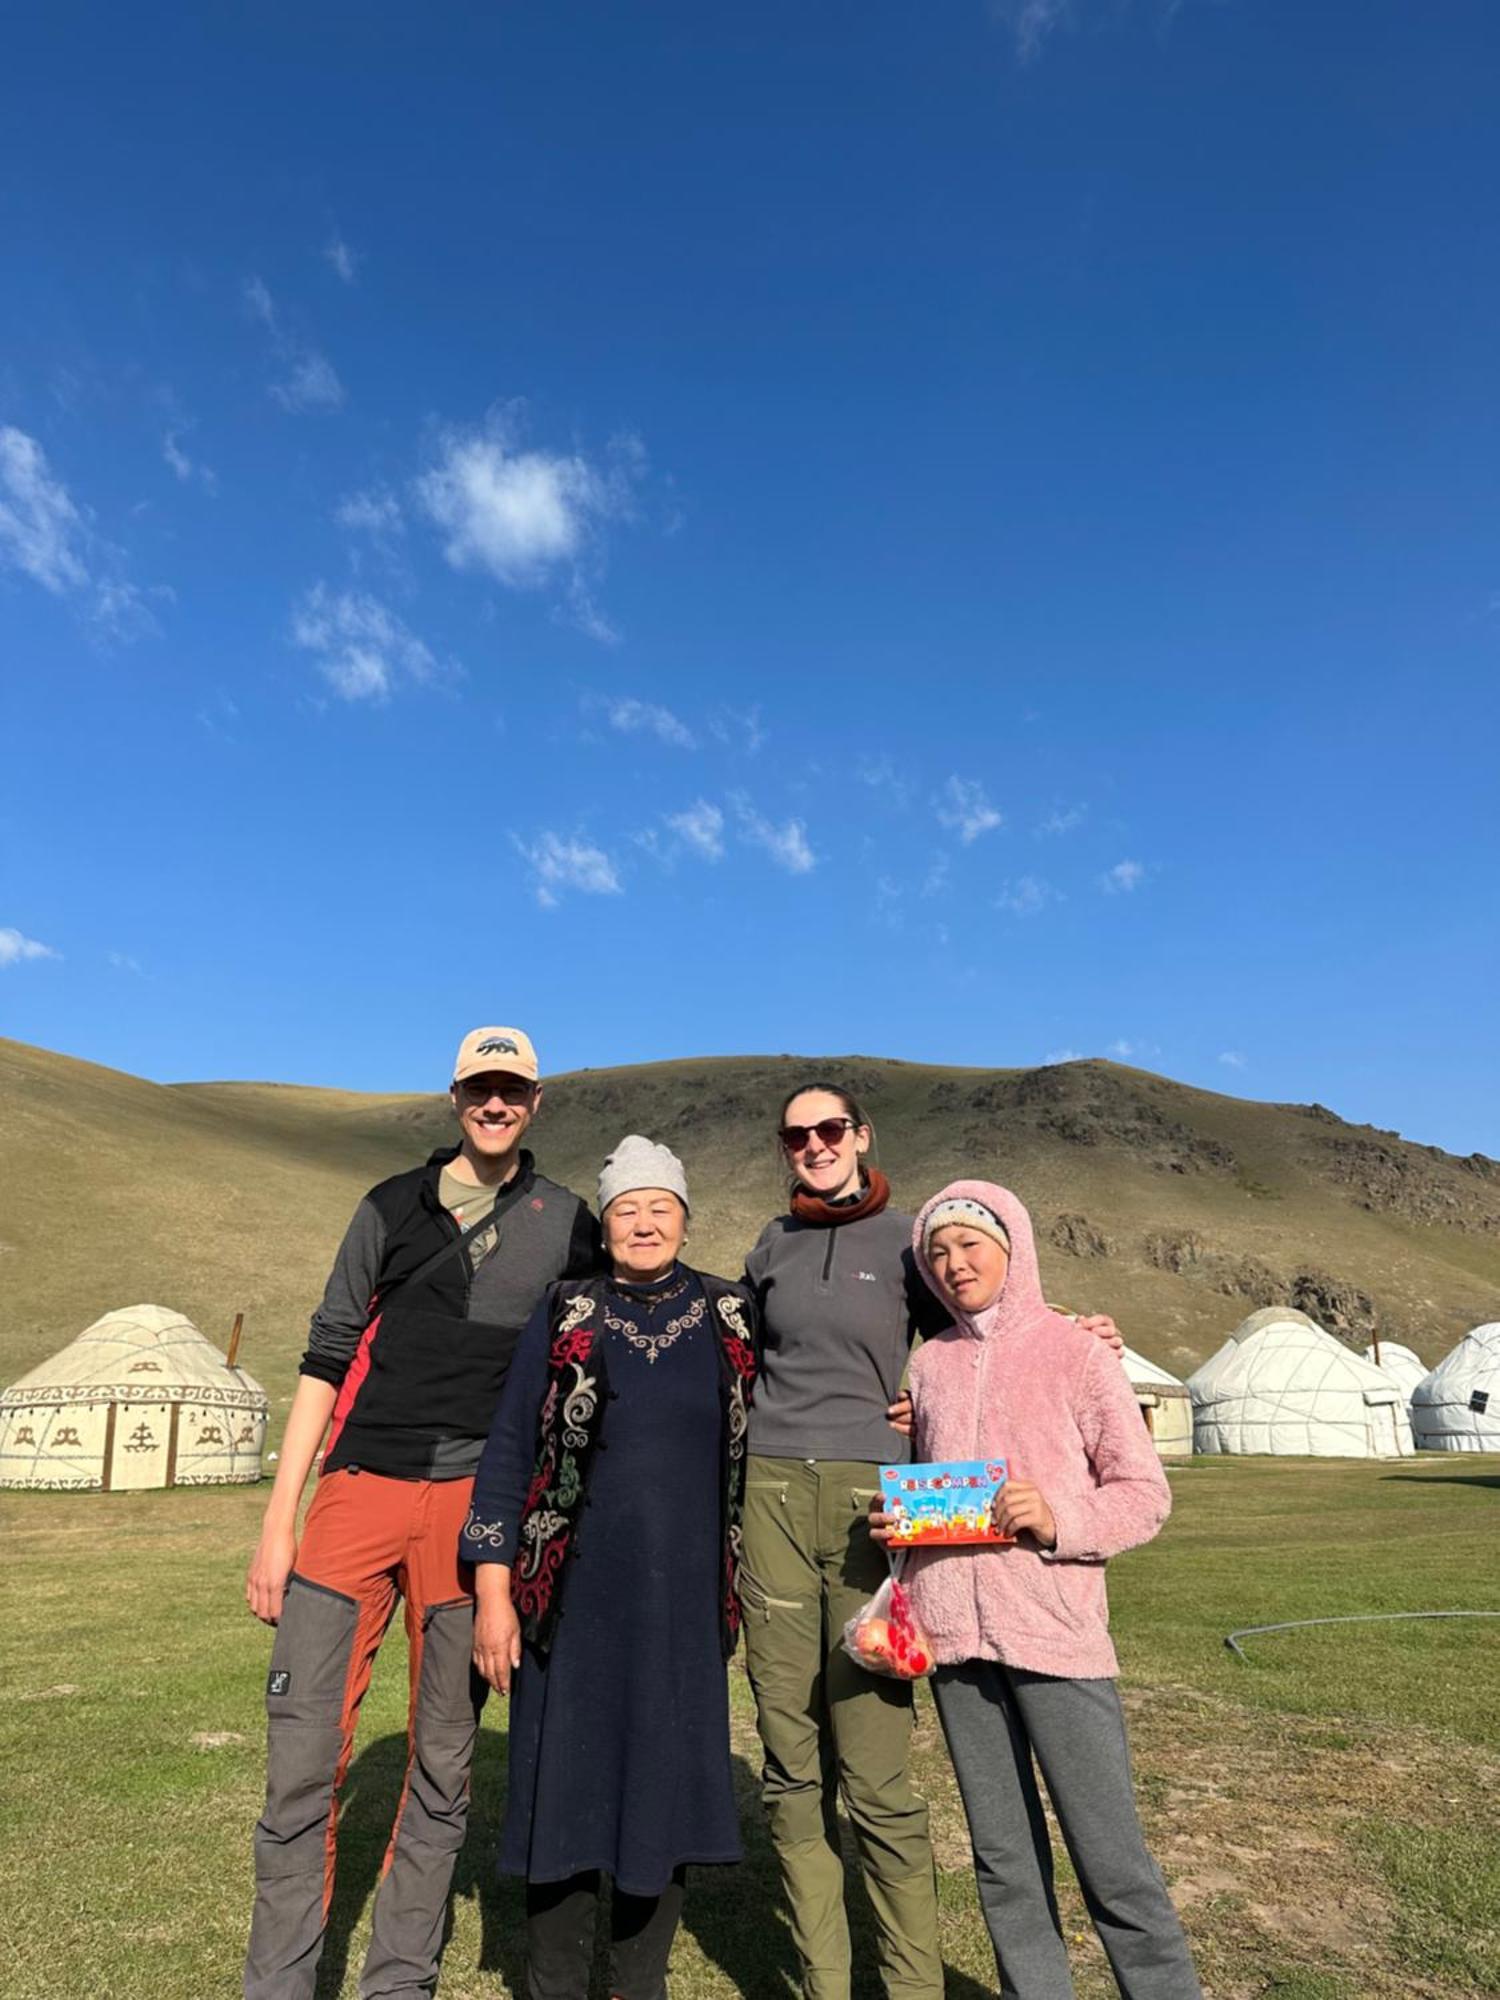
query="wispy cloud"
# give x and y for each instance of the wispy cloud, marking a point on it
(524, 516)
(1123, 879)
(740, 729)
(1125, 1050)
(47, 536)
(16, 949)
(190, 471)
(1027, 896)
(1232, 1059)
(1030, 22)
(787, 844)
(635, 718)
(963, 807)
(935, 881)
(123, 962)
(1063, 1055)
(1062, 819)
(371, 511)
(560, 863)
(881, 775)
(307, 380)
(701, 827)
(362, 648)
(342, 258)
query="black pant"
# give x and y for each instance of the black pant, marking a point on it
(560, 1938)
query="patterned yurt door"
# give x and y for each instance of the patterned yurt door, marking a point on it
(140, 1451)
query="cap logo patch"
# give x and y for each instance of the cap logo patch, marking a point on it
(497, 1045)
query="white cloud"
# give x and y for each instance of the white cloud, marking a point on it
(963, 807)
(1123, 878)
(342, 258)
(15, 949)
(519, 515)
(1127, 1051)
(936, 879)
(309, 380)
(1232, 1059)
(643, 717)
(123, 962)
(187, 469)
(1027, 895)
(1062, 820)
(362, 648)
(702, 827)
(372, 511)
(1032, 21)
(560, 864)
(310, 384)
(881, 775)
(740, 730)
(1063, 1055)
(48, 537)
(787, 845)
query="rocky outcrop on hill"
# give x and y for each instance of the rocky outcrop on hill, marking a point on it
(1086, 1104)
(1076, 1236)
(1389, 1175)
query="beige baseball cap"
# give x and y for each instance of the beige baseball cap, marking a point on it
(486, 1050)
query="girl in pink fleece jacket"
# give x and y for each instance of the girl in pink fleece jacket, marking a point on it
(1021, 1632)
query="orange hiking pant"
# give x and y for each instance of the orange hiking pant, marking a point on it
(366, 1541)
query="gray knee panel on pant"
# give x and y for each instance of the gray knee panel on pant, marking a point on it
(304, 1712)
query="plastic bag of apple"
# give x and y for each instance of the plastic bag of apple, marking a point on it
(885, 1637)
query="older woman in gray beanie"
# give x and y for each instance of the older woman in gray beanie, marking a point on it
(604, 1536)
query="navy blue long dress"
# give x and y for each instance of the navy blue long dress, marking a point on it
(619, 1735)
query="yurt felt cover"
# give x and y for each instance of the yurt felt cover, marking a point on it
(139, 1399)
(1405, 1367)
(1165, 1404)
(1457, 1406)
(1283, 1385)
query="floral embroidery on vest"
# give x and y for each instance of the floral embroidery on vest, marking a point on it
(568, 1432)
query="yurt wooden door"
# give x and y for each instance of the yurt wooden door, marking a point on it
(139, 1451)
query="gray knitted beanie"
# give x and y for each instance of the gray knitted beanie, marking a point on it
(640, 1163)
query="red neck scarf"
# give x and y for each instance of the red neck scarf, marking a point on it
(808, 1207)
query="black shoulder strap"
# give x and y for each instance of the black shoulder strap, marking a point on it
(462, 1244)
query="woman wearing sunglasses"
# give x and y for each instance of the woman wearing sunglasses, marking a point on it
(841, 1302)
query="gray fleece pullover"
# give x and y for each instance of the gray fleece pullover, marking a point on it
(840, 1304)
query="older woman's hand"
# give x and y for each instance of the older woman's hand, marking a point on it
(497, 1634)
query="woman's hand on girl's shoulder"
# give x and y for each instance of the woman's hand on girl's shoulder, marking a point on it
(899, 1414)
(1102, 1325)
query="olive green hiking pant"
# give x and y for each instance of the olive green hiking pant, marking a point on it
(831, 1729)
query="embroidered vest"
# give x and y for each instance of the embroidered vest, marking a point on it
(572, 1417)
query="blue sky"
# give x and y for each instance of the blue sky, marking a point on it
(962, 532)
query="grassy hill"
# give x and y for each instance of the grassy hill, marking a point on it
(1180, 1210)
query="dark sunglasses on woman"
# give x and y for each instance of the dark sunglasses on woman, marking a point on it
(829, 1130)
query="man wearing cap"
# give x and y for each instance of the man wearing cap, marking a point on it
(438, 1273)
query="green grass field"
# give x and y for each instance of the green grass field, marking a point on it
(1325, 1814)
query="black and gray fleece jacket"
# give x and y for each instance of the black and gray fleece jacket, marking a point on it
(419, 1356)
(840, 1305)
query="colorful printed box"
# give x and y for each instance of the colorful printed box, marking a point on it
(929, 1504)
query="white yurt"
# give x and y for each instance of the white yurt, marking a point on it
(1457, 1406)
(1165, 1404)
(1404, 1365)
(1281, 1384)
(139, 1399)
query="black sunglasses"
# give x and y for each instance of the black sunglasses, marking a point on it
(829, 1130)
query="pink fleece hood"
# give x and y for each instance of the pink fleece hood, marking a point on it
(1020, 1306)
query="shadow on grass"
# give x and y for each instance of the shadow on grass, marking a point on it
(370, 1795)
(738, 1916)
(1491, 1479)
